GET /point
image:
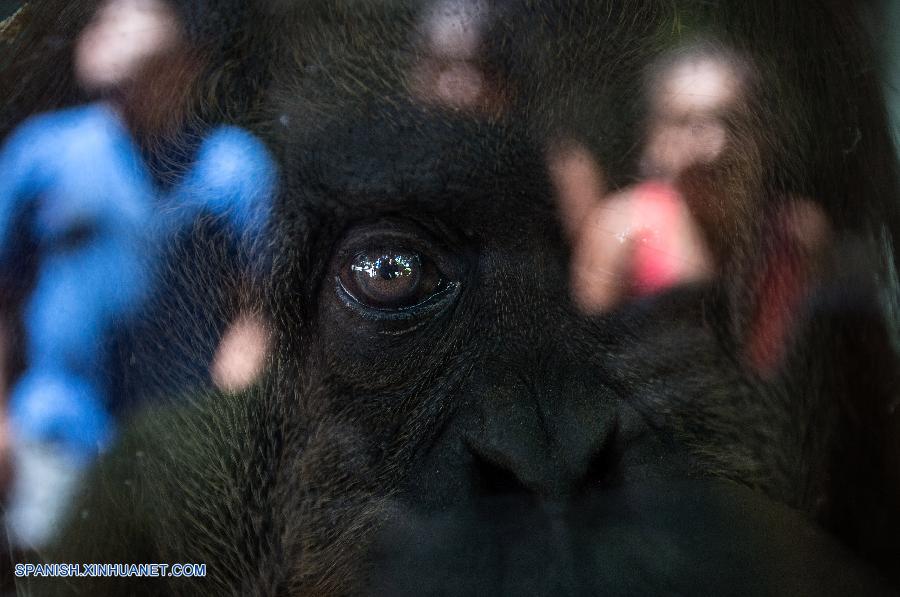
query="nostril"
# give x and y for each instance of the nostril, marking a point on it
(604, 470)
(491, 479)
(545, 467)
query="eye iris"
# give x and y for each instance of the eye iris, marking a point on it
(387, 279)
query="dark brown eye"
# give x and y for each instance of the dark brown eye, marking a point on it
(390, 279)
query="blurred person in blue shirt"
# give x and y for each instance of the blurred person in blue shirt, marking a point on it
(77, 183)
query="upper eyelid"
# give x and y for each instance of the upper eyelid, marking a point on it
(349, 250)
(390, 236)
(433, 227)
(381, 228)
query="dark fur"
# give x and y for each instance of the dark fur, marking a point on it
(509, 444)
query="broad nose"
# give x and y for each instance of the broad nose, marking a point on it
(551, 439)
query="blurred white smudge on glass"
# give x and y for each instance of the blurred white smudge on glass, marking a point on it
(690, 96)
(449, 73)
(122, 36)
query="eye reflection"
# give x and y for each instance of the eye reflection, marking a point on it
(390, 279)
(387, 267)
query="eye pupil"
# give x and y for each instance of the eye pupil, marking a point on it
(390, 268)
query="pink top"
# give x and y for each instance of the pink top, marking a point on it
(656, 263)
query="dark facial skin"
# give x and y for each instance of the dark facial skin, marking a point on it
(438, 417)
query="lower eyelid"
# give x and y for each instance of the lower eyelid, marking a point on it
(431, 304)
